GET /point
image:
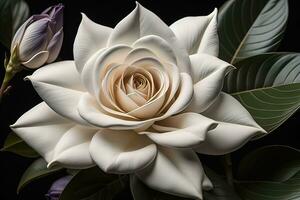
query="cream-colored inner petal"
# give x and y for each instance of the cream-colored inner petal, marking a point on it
(141, 86)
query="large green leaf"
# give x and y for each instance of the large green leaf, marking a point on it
(270, 173)
(221, 191)
(268, 86)
(36, 170)
(12, 14)
(93, 184)
(16, 145)
(250, 27)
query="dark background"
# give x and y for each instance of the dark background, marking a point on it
(22, 96)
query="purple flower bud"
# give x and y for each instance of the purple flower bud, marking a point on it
(40, 38)
(57, 187)
(56, 15)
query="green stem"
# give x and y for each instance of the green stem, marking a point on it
(10, 71)
(228, 169)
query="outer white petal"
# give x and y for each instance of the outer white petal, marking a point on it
(198, 34)
(177, 172)
(159, 46)
(41, 128)
(208, 75)
(58, 84)
(94, 68)
(72, 150)
(121, 151)
(90, 38)
(90, 111)
(184, 97)
(181, 131)
(236, 126)
(142, 22)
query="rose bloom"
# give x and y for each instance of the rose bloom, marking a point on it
(141, 98)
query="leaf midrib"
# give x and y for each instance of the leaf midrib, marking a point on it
(264, 88)
(232, 61)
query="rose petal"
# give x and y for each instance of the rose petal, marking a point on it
(125, 101)
(138, 53)
(59, 86)
(209, 73)
(157, 45)
(142, 22)
(178, 172)
(184, 97)
(181, 131)
(72, 150)
(90, 38)
(90, 111)
(198, 34)
(97, 66)
(222, 109)
(226, 138)
(41, 128)
(154, 104)
(174, 79)
(121, 151)
(236, 126)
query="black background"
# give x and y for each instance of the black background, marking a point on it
(109, 12)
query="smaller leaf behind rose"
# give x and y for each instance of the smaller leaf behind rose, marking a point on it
(270, 173)
(93, 184)
(36, 170)
(16, 145)
(142, 192)
(221, 191)
(12, 14)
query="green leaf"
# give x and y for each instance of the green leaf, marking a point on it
(268, 86)
(142, 192)
(16, 145)
(221, 190)
(250, 27)
(93, 184)
(270, 173)
(36, 170)
(12, 14)
(19, 15)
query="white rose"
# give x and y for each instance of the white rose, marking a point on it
(140, 98)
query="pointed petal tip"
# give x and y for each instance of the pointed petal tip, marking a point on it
(51, 164)
(261, 130)
(12, 126)
(27, 78)
(215, 11)
(83, 15)
(137, 4)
